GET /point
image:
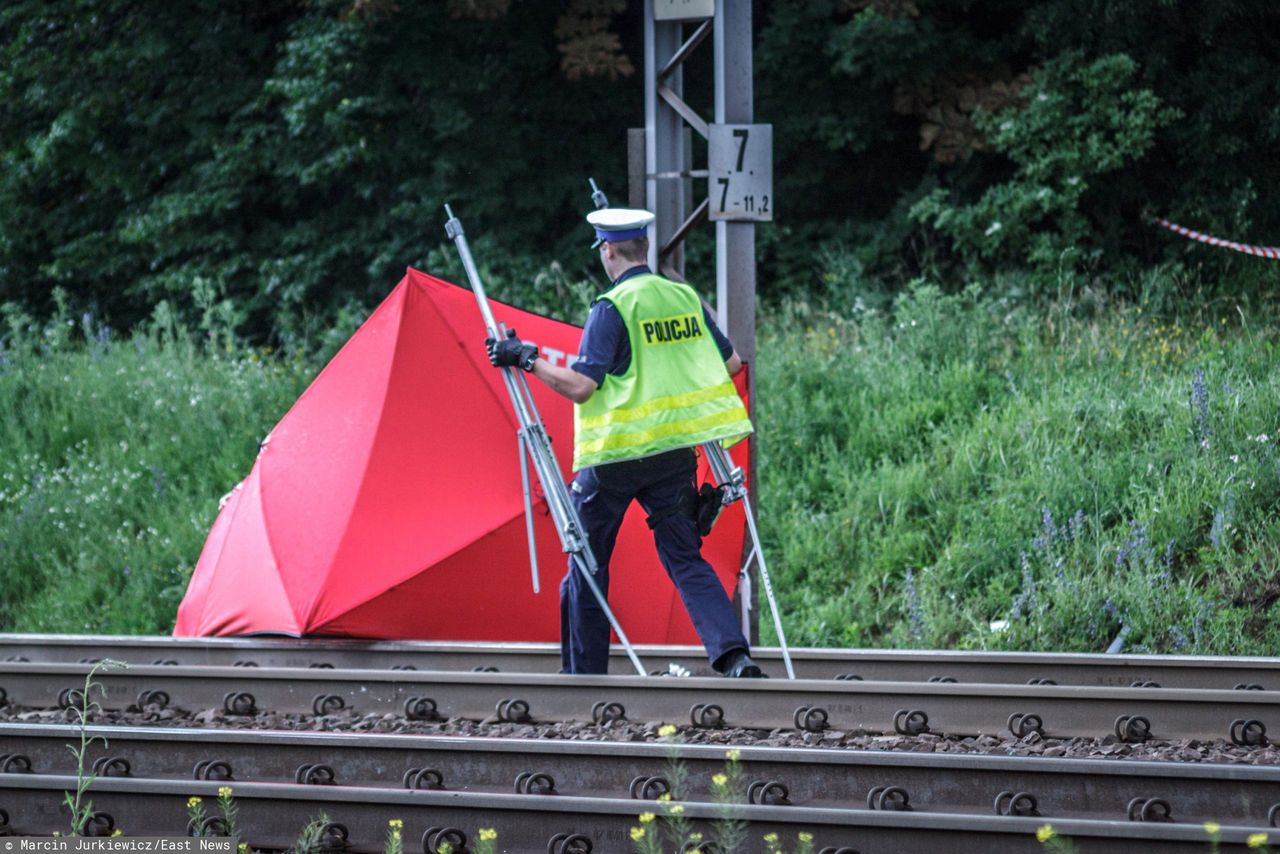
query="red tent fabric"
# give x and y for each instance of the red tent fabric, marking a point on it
(387, 502)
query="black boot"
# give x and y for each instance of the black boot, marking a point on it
(740, 666)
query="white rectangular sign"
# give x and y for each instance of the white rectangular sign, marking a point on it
(740, 172)
(683, 10)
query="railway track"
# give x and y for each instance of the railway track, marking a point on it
(934, 783)
(1202, 672)
(572, 797)
(270, 815)
(908, 708)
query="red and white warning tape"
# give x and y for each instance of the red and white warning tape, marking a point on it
(1272, 252)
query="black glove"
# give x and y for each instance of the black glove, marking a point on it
(511, 352)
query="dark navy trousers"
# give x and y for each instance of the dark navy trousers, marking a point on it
(602, 495)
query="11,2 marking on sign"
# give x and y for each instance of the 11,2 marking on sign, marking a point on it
(747, 202)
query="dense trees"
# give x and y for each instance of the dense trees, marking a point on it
(291, 156)
(883, 101)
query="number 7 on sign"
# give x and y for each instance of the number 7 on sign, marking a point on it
(740, 171)
(742, 134)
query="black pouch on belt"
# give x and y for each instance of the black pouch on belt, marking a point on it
(710, 503)
(702, 506)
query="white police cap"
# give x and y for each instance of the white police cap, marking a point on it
(614, 224)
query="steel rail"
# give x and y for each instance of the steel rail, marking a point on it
(908, 708)
(270, 816)
(1212, 672)
(968, 784)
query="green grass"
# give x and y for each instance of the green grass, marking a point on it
(113, 457)
(925, 469)
(959, 460)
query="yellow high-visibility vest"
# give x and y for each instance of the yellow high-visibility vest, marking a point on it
(676, 393)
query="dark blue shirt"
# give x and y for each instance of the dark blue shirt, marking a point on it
(605, 347)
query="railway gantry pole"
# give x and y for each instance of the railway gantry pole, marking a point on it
(738, 173)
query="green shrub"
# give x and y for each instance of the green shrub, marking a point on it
(1080, 122)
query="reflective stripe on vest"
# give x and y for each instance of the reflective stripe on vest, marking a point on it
(675, 393)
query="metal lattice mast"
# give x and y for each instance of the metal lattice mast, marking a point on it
(738, 176)
(739, 170)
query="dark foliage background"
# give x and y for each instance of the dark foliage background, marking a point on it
(284, 159)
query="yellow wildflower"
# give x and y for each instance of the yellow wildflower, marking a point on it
(117, 832)
(1256, 840)
(193, 802)
(806, 838)
(695, 837)
(244, 848)
(676, 809)
(637, 833)
(666, 730)
(1212, 828)
(719, 779)
(771, 838)
(733, 755)
(646, 817)
(396, 823)
(224, 791)
(488, 834)
(665, 796)
(1045, 833)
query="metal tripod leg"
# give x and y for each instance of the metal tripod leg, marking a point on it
(613, 621)
(768, 586)
(744, 589)
(725, 473)
(535, 443)
(525, 452)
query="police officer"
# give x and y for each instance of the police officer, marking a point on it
(651, 383)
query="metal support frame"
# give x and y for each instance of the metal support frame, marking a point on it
(663, 149)
(668, 167)
(667, 163)
(728, 475)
